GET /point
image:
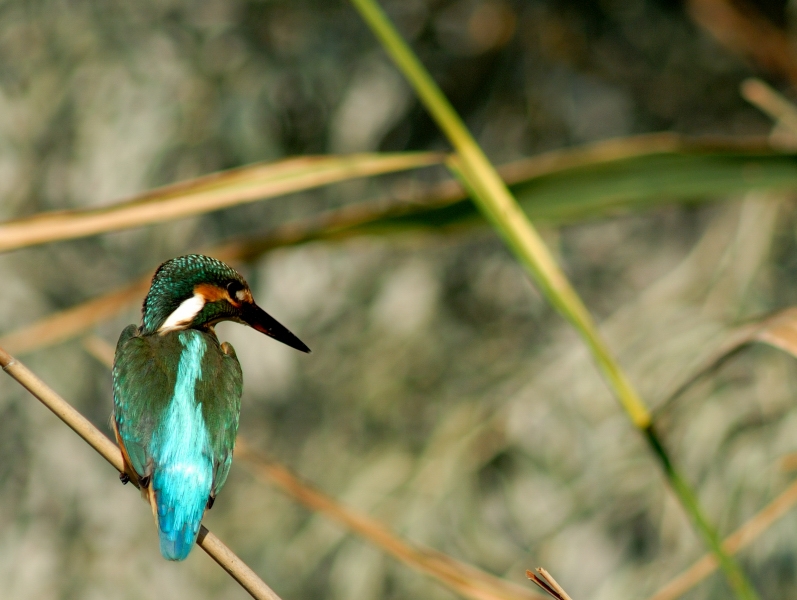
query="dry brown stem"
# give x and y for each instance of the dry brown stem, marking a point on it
(770, 102)
(66, 324)
(262, 181)
(214, 547)
(464, 579)
(205, 194)
(546, 581)
(778, 330)
(744, 30)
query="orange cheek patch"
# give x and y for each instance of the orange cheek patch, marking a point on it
(211, 293)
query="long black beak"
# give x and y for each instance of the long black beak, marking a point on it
(257, 318)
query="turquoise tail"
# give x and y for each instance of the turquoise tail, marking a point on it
(181, 493)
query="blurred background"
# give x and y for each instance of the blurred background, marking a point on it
(443, 396)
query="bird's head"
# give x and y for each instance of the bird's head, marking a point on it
(196, 291)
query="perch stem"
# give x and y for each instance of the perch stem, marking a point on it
(214, 547)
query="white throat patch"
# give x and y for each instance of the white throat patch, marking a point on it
(183, 314)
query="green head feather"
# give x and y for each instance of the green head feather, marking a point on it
(174, 283)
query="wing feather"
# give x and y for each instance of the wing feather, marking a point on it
(143, 383)
(221, 401)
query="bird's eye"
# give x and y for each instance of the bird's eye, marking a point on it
(235, 290)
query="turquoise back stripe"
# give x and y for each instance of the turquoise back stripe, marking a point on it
(183, 472)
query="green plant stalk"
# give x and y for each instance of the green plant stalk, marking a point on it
(497, 203)
(733, 572)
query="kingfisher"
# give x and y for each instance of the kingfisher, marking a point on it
(177, 392)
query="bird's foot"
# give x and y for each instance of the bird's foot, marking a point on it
(144, 481)
(211, 500)
(124, 478)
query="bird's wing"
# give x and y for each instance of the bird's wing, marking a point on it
(220, 394)
(142, 387)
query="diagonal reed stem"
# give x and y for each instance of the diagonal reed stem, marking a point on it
(464, 579)
(204, 194)
(499, 206)
(214, 547)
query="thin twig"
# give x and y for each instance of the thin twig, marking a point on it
(208, 193)
(770, 102)
(267, 180)
(71, 322)
(546, 581)
(66, 324)
(214, 547)
(778, 330)
(99, 349)
(464, 579)
(741, 27)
